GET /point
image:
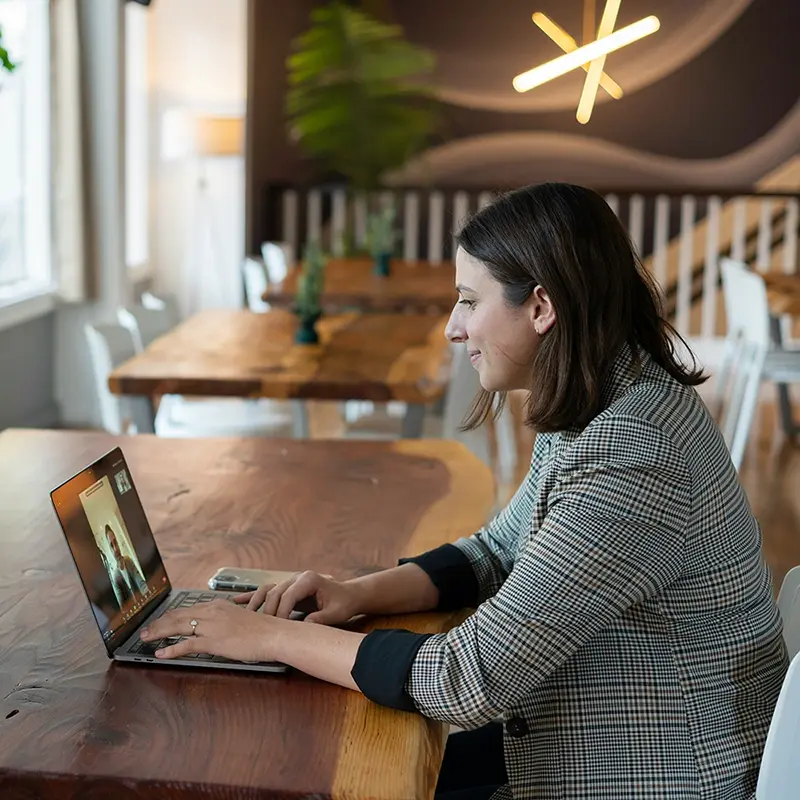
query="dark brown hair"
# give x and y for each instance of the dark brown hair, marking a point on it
(567, 240)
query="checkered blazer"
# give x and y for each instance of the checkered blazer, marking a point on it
(627, 632)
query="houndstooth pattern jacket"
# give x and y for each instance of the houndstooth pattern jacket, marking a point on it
(626, 632)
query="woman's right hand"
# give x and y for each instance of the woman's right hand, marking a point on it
(336, 602)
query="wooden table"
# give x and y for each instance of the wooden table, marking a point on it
(783, 293)
(350, 283)
(378, 357)
(783, 296)
(74, 724)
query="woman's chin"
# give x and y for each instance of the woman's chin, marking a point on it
(487, 384)
(491, 383)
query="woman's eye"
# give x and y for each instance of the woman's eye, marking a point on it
(467, 303)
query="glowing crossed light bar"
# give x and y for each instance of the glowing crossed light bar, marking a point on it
(568, 44)
(590, 57)
(526, 81)
(592, 82)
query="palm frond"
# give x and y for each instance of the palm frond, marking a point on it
(356, 99)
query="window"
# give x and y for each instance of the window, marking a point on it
(136, 135)
(25, 235)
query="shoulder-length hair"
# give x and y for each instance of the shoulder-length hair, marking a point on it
(567, 240)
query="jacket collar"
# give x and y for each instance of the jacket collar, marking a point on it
(623, 373)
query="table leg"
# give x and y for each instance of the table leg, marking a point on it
(437, 409)
(412, 422)
(139, 412)
(784, 399)
(300, 419)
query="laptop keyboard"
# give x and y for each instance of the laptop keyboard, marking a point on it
(181, 600)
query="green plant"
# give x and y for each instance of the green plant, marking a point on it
(311, 282)
(5, 59)
(356, 101)
(381, 234)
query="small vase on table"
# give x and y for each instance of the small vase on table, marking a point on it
(306, 332)
(380, 240)
(382, 266)
(310, 284)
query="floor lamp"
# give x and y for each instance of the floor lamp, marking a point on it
(213, 137)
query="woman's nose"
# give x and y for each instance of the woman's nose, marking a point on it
(454, 331)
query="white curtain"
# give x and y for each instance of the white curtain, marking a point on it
(72, 268)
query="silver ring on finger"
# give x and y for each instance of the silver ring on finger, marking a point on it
(193, 623)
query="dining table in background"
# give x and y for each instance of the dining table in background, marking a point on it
(351, 283)
(75, 724)
(221, 352)
(783, 297)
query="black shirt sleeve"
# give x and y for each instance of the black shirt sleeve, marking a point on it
(384, 657)
(382, 665)
(452, 574)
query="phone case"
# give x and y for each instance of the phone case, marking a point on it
(240, 579)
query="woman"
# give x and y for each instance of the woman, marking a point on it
(625, 633)
(126, 578)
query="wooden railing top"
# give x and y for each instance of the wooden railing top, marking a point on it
(725, 192)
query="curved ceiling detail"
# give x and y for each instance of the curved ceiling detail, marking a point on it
(730, 95)
(514, 159)
(691, 31)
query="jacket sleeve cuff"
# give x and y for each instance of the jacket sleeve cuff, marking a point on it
(383, 663)
(452, 574)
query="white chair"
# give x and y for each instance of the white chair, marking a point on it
(789, 606)
(145, 324)
(163, 302)
(749, 355)
(779, 776)
(278, 260)
(461, 392)
(111, 345)
(254, 276)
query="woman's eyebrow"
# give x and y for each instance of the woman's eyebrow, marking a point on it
(461, 288)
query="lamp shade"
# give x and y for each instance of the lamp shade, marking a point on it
(218, 135)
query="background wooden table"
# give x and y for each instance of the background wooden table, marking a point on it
(73, 723)
(378, 357)
(783, 296)
(783, 293)
(350, 283)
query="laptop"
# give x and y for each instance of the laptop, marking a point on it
(121, 569)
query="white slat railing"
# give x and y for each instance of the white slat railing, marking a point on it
(680, 236)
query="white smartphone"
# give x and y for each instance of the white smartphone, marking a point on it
(241, 579)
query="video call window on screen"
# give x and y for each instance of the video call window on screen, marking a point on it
(123, 482)
(111, 542)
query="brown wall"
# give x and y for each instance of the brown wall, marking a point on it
(725, 98)
(269, 155)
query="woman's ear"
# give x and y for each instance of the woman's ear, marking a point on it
(542, 310)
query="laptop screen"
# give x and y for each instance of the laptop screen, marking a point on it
(112, 546)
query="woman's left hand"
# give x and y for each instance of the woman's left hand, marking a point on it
(223, 629)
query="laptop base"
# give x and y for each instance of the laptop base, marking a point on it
(134, 650)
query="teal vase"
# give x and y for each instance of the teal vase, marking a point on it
(383, 265)
(306, 332)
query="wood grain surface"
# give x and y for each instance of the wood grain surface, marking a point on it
(377, 357)
(783, 293)
(74, 724)
(350, 283)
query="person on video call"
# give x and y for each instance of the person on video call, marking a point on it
(126, 579)
(625, 642)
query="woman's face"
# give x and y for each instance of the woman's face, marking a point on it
(501, 340)
(112, 541)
